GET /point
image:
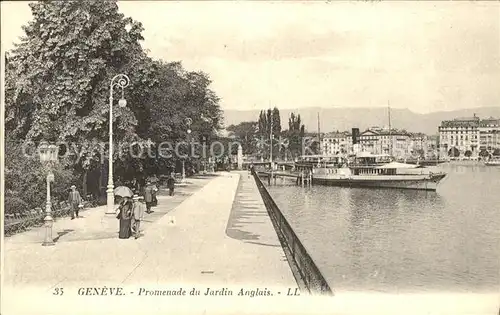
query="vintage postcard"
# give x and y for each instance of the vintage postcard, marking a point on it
(250, 157)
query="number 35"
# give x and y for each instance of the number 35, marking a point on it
(58, 291)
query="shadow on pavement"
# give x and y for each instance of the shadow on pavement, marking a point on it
(60, 234)
(270, 245)
(240, 223)
(201, 176)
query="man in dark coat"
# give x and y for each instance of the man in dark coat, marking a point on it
(171, 184)
(74, 200)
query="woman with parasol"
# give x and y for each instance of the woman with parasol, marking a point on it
(124, 211)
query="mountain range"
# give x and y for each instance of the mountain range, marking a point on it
(343, 119)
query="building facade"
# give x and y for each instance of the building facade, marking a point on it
(469, 137)
(376, 140)
(334, 143)
(489, 135)
(382, 141)
(423, 146)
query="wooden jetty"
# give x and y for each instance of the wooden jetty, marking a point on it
(300, 177)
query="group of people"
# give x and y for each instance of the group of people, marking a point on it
(130, 213)
(131, 210)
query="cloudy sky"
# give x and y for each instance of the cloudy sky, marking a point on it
(426, 56)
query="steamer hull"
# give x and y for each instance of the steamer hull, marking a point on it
(369, 171)
(415, 182)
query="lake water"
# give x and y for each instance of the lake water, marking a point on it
(401, 241)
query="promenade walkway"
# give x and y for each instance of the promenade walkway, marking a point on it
(93, 224)
(219, 237)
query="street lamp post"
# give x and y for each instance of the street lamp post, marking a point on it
(204, 157)
(48, 155)
(121, 81)
(188, 122)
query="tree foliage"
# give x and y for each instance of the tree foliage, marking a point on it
(180, 95)
(295, 134)
(483, 153)
(25, 179)
(57, 88)
(247, 134)
(268, 120)
(64, 65)
(453, 152)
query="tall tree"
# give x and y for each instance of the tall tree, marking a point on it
(276, 121)
(263, 126)
(58, 85)
(182, 95)
(263, 134)
(267, 120)
(276, 131)
(246, 132)
(65, 62)
(64, 65)
(295, 134)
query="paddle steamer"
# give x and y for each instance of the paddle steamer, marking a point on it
(369, 171)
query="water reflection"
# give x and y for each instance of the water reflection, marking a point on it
(397, 240)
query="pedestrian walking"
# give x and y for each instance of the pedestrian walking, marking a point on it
(155, 199)
(171, 184)
(148, 195)
(124, 214)
(137, 215)
(75, 201)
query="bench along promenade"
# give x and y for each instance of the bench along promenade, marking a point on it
(214, 235)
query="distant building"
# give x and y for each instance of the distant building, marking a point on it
(384, 141)
(469, 136)
(489, 134)
(336, 143)
(379, 140)
(418, 144)
(432, 147)
(423, 146)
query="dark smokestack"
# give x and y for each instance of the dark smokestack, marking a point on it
(355, 135)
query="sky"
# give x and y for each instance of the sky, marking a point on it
(424, 56)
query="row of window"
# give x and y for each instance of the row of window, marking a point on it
(461, 137)
(333, 140)
(469, 131)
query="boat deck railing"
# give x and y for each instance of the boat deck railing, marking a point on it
(303, 267)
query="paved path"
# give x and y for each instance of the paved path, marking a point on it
(88, 243)
(94, 224)
(213, 249)
(220, 237)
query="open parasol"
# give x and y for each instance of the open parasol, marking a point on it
(123, 191)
